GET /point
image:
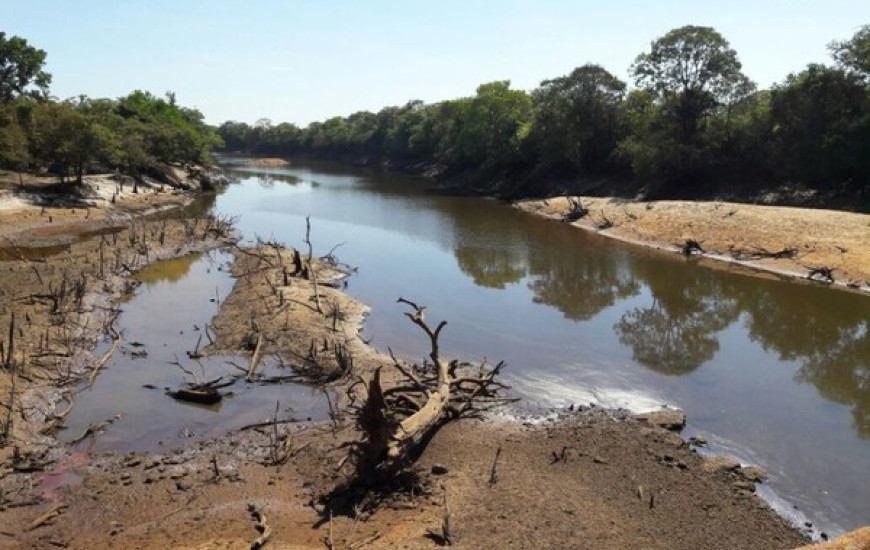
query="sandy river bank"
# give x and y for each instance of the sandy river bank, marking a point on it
(788, 241)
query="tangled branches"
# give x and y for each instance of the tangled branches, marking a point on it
(397, 420)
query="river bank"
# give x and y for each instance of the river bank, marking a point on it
(797, 243)
(611, 480)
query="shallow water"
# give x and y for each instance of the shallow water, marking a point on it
(776, 373)
(161, 321)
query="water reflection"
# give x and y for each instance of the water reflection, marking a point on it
(676, 332)
(828, 333)
(579, 282)
(489, 267)
(491, 254)
(170, 270)
(265, 179)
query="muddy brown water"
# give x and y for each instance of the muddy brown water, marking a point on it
(775, 373)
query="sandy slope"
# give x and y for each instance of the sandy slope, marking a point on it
(735, 232)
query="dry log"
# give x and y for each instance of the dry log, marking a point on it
(46, 517)
(261, 526)
(825, 274)
(577, 211)
(691, 246)
(397, 420)
(206, 396)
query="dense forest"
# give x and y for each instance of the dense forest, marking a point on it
(692, 125)
(133, 134)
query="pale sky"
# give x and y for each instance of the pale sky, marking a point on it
(299, 61)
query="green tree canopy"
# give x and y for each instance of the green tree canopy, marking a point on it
(21, 70)
(821, 127)
(694, 69)
(489, 131)
(577, 119)
(854, 54)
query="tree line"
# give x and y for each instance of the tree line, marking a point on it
(132, 134)
(693, 124)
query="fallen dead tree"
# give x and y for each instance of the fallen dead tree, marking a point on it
(577, 211)
(396, 421)
(762, 253)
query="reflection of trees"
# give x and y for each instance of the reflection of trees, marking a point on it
(171, 270)
(842, 373)
(829, 332)
(677, 332)
(489, 250)
(266, 177)
(492, 268)
(577, 273)
(580, 285)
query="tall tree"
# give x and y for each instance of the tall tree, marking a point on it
(689, 74)
(821, 128)
(694, 69)
(854, 54)
(14, 146)
(577, 119)
(490, 129)
(21, 70)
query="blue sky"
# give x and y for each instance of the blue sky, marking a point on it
(299, 61)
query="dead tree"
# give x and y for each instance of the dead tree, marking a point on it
(824, 274)
(396, 421)
(578, 211)
(691, 246)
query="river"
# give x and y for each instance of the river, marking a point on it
(772, 372)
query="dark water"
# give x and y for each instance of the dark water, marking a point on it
(776, 373)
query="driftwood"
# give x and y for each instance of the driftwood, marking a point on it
(577, 211)
(825, 274)
(256, 358)
(261, 526)
(397, 420)
(46, 517)
(691, 246)
(93, 429)
(605, 223)
(205, 393)
(761, 253)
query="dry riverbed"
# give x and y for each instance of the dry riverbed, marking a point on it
(785, 240)
(585, 479)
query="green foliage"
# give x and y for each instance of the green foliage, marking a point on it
(163, 131)
(14, 146)
(21, 69)
(695, 80)
(66, 140)
(578, 120)
(489, 127)
(694, 125)
(821, 127)
(854, 55)
(134, 135)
